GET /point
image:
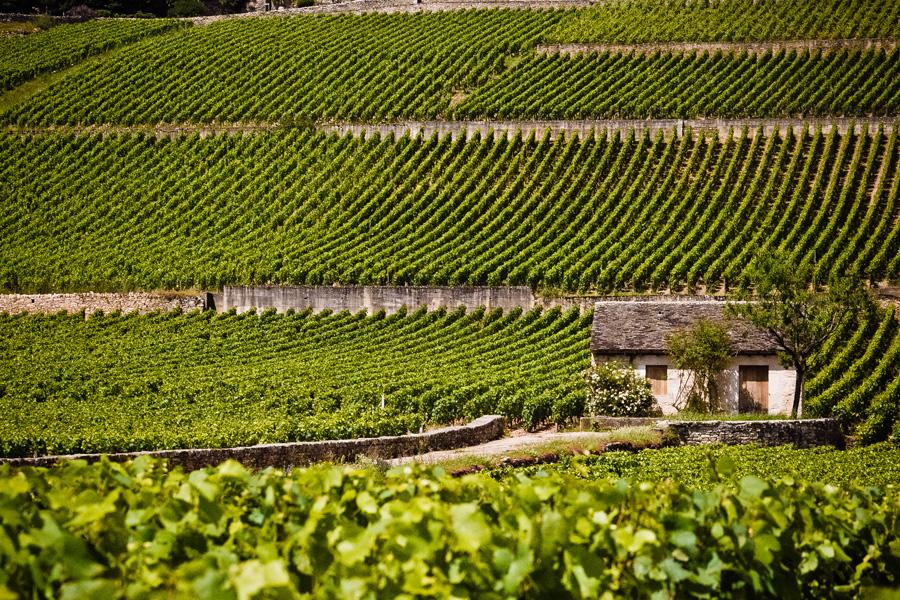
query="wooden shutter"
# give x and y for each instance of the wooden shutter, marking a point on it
(658, 375)
(753, 394)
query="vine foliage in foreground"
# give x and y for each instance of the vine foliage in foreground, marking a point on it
(134, 530)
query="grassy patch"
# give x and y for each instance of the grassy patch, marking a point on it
(17, 28)
(703, 466)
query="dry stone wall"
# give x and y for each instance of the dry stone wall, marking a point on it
(91, 302)
(802, 433)
(286, 456)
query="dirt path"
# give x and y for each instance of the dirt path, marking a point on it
(508, 445)
(727, 47)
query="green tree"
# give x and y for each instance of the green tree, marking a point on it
(799, 313)
(703, 349)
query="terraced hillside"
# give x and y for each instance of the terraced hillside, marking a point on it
(197, 156)
(24, 57)
(120, 207)
(648, 21)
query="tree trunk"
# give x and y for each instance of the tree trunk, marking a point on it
(798, 392)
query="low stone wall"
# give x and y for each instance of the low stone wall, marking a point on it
(285, 456)
(387, 298)
(802, 433)
(91, 302)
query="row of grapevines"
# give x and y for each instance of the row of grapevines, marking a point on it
(388, 67)
(113, 383)
(723, 20)
(24, 57)
(876, 464)
(663, 85)
(135, 530)
(600, 213)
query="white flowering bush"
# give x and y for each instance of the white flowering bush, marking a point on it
(618, 391)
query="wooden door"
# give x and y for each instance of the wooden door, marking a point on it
(753, 390)
(658, 375)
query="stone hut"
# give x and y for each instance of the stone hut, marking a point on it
(634, 332)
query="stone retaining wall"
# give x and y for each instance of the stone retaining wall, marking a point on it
(802, 433)
(759, 47)
(91, 302)
(285, 456)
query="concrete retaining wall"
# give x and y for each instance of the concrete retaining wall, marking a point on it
(387, 298)
(583, 128)
(285, 456)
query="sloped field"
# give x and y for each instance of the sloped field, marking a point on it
(468, 64)
(116, 383)
(130, 211)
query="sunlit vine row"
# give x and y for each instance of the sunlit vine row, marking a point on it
(349, 67)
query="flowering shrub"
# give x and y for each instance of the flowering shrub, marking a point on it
(617, 391)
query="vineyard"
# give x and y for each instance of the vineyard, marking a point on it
(645, 21)
(599, 213)
(164, 155)
(678, 85)
(128, 382)
(116, 383)
(225, 532)
(463, 64)
(24, 57)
